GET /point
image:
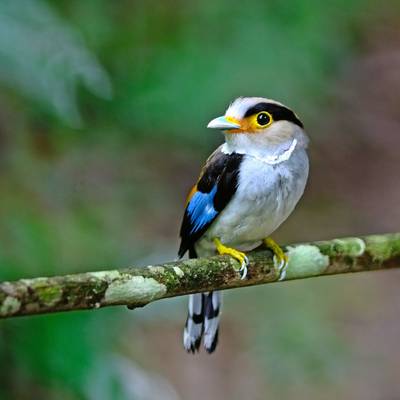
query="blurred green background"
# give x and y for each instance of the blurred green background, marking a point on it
(103, 108)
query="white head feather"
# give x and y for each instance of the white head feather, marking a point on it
(275, 140)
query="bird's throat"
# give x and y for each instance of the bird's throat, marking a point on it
(271, 157)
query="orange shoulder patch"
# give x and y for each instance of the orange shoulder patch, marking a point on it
(193, 190)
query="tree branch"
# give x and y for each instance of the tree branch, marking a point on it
(138, 286)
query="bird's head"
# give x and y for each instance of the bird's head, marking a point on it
(259, 121)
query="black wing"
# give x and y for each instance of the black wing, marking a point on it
(216, 186)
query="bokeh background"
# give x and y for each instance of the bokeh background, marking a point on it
(103, 108)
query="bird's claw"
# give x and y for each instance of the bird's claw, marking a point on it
(280, 263)
(243, 268)
(280, 258)
(236, 254)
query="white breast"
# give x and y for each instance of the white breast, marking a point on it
(265, 197)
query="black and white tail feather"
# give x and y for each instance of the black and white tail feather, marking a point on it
(202, 321)
(204, 310)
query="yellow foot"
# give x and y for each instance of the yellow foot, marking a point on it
(238, 255)
(280, 258)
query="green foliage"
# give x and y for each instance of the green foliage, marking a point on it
(59, 350)
(103, 108)
(44, 58)
(184, 63)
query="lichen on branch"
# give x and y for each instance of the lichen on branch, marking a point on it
(138, 286)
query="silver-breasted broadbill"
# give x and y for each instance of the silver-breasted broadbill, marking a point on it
(247, 188)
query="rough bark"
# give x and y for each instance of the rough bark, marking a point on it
(138, 286)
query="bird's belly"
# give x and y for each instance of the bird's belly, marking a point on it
(246, 221)
(264, 199)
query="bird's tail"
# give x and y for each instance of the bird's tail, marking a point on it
(211, 320)
(202, 320)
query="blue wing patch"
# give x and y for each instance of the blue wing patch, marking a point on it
(213, 191)
(201, 209)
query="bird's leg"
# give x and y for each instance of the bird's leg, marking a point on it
(238, 255)
(280, 258)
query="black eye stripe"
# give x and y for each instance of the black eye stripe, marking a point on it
(278, 112)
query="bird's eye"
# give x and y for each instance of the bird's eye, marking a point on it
(263, 118)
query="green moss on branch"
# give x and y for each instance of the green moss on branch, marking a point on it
(137, 286)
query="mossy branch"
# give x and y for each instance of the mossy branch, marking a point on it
(138, 286)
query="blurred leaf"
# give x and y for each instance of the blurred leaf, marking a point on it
(60, 350)
(44, 58)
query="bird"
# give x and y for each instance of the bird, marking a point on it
(248, 186)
